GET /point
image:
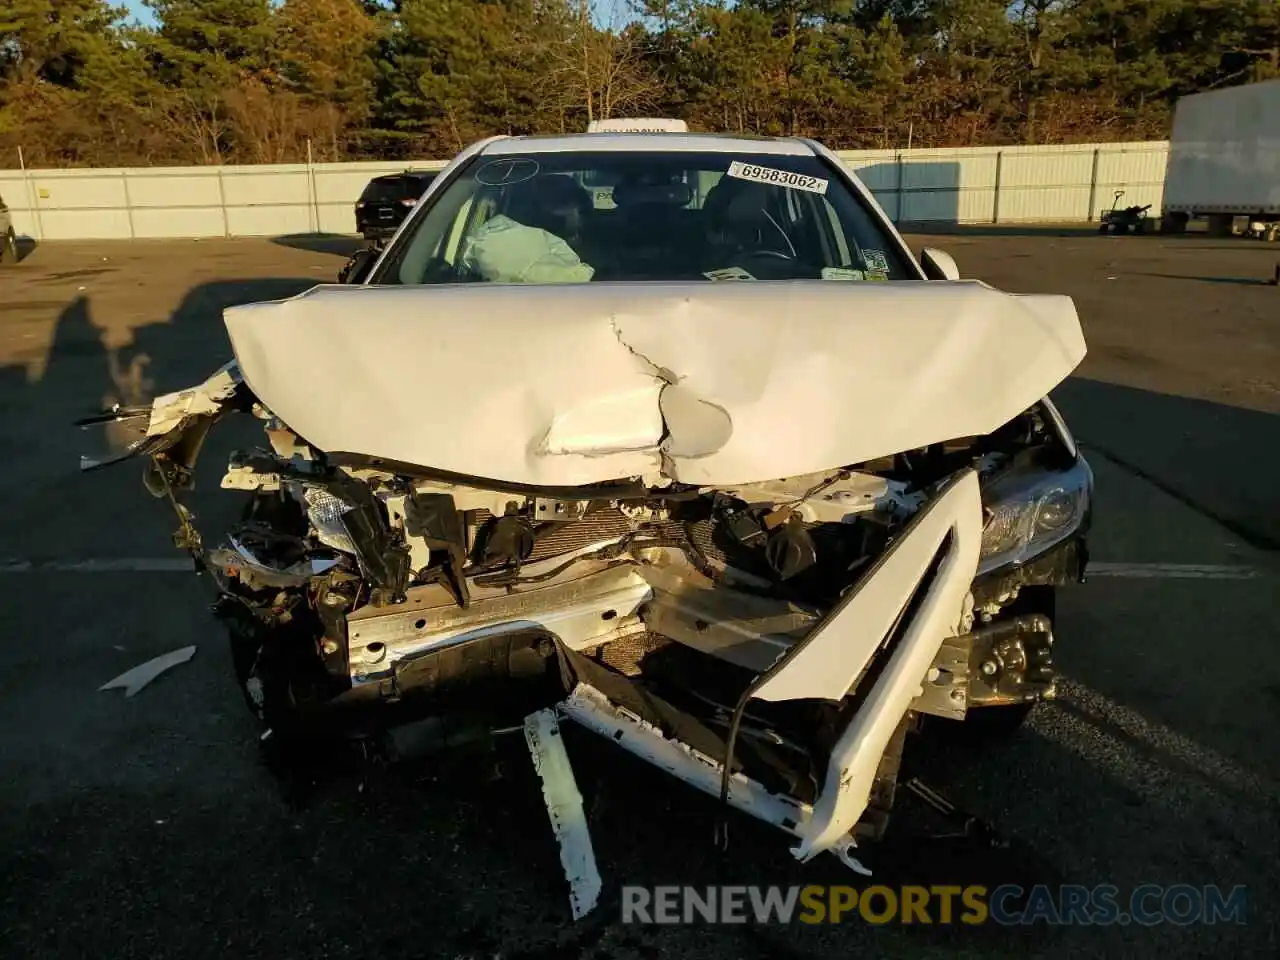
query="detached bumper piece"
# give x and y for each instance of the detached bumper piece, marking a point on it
(868, 657)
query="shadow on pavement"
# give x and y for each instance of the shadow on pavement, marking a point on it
(1241, 281)
(83, 374)
(338, 244)
(1222, 461)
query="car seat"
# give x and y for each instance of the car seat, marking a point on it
(554, 202)
(736, 218)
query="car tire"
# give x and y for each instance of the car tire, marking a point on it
(9, 248)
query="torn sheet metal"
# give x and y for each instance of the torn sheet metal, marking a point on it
(954, 527)
(134, 680)
(572, 607)
(777, 378)
(591, 709)
(838, 650)
(168, 411)
(564, 807)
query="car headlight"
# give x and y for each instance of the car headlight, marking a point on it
(1027, 513)
(325, 511)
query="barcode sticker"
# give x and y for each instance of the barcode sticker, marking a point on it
(776, 178)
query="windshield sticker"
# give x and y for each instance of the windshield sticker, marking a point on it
(842, 273)
(875, 260)
(508, 170)
(775, 177)
(877, 275)
(728, 273)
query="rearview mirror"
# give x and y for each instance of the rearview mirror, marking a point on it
(938, 264)
(358, 266)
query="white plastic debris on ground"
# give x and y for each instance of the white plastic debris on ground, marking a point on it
(134, 680)
(564, 807)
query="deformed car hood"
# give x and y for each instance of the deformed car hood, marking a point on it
(704, 383)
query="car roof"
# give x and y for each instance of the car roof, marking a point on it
(405, 173)
(649, 142)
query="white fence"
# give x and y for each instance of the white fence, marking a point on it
(961, 185)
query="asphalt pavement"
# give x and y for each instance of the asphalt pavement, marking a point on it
(147, 827)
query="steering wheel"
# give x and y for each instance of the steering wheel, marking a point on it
(778, 254)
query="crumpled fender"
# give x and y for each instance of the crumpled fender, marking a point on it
(175, 423)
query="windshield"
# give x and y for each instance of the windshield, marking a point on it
(580, 216)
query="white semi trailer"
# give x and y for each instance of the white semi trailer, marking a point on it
(1224, 159)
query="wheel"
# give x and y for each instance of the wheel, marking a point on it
(9, 248)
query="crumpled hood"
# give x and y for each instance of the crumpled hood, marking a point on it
(704, 383)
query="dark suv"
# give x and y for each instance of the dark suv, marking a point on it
(387, 200)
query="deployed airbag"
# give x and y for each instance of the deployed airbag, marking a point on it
(505, 251)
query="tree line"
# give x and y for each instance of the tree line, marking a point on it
(260, 81)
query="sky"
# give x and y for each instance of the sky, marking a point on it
(138, 12)
(607, 12)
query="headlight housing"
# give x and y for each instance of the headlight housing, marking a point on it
(325, 511)
(1029, 512)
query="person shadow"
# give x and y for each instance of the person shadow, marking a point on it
(54, 510)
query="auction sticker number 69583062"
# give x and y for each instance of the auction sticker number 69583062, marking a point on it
(778, 178)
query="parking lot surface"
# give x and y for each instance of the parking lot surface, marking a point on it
(146, 827)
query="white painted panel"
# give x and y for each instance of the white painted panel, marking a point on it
(936, 205)
(165, 188)
(84, 224)
(1044, 204)
(273, 221)
(77, 189)
(976, 205)
(1144, 166)
(190, 222)
(285, 184)
(1047, 169)
(337, 218)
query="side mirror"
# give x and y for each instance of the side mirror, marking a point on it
(358, 266)
(938, 264)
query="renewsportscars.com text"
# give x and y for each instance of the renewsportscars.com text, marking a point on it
(1007, 905)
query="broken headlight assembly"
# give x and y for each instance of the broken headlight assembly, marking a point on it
(1029, 512)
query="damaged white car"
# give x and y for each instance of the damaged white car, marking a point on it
(666, 434)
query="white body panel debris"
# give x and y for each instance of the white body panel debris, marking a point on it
(956, 520)
(771, 372)
(564, 807)
(590, 708)
(134, 680)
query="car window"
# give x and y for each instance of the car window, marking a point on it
(394, 189)
(580, 216)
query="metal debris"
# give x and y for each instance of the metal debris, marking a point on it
(135, 679)
(564, 808)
